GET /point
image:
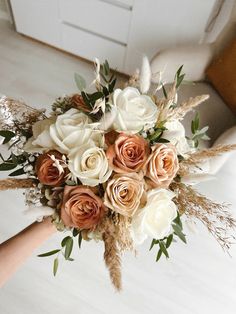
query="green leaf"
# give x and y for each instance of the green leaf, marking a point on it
(179, 233)
(69, 247)
(106, 68)
(152, 244)
(158, 255)
(49, 253)
(80, 239)
(18, 172)
(163, 248)
(7, 134)
(112, 85)
(179, 80)
(63, 242)
(95, 96)
(86, 99)
(162, 140)
(179, 77)
(80, 81)
(55, 266)
(164, 91)
(6, 166)
(196, 121)
(178, 221)
(169, 240)
(75, 232)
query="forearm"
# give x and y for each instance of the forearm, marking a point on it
(15, 251)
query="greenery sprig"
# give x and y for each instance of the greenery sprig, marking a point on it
(165, 243)
(66, 249)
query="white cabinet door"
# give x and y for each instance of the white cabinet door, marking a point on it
(38, 19)
(158, 24)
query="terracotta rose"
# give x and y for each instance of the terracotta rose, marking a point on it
(162, 165)
(81, 208)
(128, 153)
(47, 171)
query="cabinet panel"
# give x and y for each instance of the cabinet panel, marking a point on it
(38, 19)
(99, 17)
(89, 46)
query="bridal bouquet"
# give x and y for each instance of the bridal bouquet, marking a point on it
(113, 165)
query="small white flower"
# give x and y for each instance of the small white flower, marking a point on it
(57, 164)
(89, 164)
(99, 104)
(155, 218)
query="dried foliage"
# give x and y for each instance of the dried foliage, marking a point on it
(216, 217)
(122, 232)
(15, 115)
(194, 159)
(168, 110)
(180, 111)
(11, 184)
(111, 253)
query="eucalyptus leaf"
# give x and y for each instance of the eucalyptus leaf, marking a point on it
(75, 232)
(18, 172)
(49, 253)
(63, 242)
(6, 166)
(169, 240)
(179, 233)
(152, 244)
(55, 266)
(158, 255)
(164, 91)
(163, 248)
(7, 134)
(80, 240)
(80, 81)
(68, 247)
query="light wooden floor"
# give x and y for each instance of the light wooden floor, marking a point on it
(198, 279)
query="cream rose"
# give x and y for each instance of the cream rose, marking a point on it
(124, 193)
(134, 111)
(89, 163)
(41, 139)
(162, 165)
(175, 133)
(155, 218)
(73, 129)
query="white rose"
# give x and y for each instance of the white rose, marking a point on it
(155, 218)
(134, 111)
(175, 133)
(89, 164)
(73, 129)
(41, 139)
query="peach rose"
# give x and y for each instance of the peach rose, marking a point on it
(124, 193)
(81, 208)
(50, 168)
(128, 154)
(162, 165)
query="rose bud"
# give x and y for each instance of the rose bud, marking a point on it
(49, 168)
